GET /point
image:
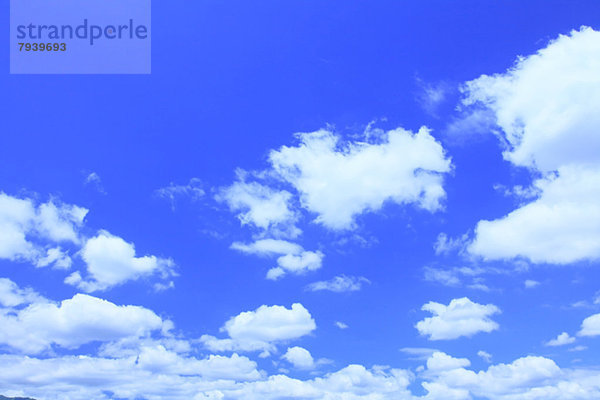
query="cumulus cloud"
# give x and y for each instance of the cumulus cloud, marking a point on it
(262, 329)
(546, 108)
(155, 372)
(292, 258)
(261, 206)
(339, 284)
(112, 261)
(561, 340)
(299, 357)
(590, 326)
(192, 190)
(69, 324)
(560, 227)
(461, 317)
(27, 229)
(440, 361)
(339, 180)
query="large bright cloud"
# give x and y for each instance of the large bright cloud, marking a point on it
(340, 180)
(547, 108)
(262, 328)
(561, 226)
(461, 317)
(156, 373)
(72, 323)
(112, 261)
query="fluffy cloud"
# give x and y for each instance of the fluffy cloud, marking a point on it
(461, 317)
(299, 358)
(70, 324)
(546, 107)
(561, 340)
(561, 227)
(261, 206)
(262, 329)
(525, 378)
(27, 229)
(155, 372)
(339, 284)
(292, 257)
(590, 326)
(439, 361)
(339, 181)
(111, 261)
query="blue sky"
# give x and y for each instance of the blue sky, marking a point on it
(310, 200)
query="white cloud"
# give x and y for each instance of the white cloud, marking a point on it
(192, 190)
(94, 180)
(11, 295)
(447, 277)
(456, 277)
(300, 263)
(590, 326)
(461, 317)
(445, 244)
(292, 257)
(546, 107)
(70, 324)
(261, 206)
(439, 361)
(299, 358)
(111, 261)
(26, 228)
(561, 227)
(526, 378)
(487, 357)
(268, 247)
(529, 283)
(339, 284)
(341, 325)
(561, 340)
(547, 103)
(338, 181)
(155, 372)
(431, 96)
(262, 329)
(419, 353)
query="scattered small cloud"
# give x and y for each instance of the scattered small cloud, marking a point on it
(93, 180)
(192, 191)
(487, 357)
(339, 284)
(560, 340)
